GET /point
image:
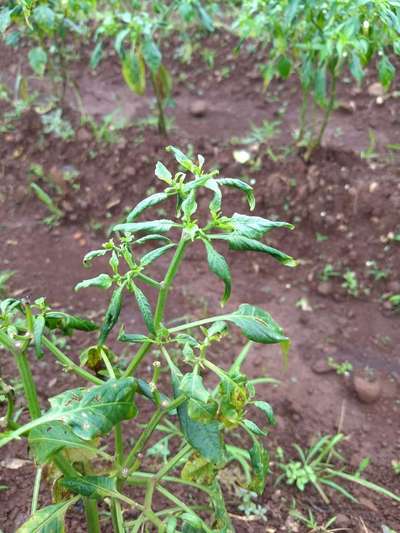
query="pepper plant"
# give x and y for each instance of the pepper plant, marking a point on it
(201, 420)
(137, 30)
(318, 42)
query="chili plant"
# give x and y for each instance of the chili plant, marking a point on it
(318, 42)
(200, 420)
(137, 34)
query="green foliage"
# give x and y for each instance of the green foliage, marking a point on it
(203, 414)
(317, 42)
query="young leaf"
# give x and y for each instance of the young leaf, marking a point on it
(192, 385)
(218, 265)
(102, 281)
(96, 56)
(154, 199)
(48, 520)
(202, 412)
(66, 322)
(145, 309)
(87, 260)
(244, 244)
(242, 186)
(163, 173)
(253, 428)
(152, 226)
(150, 257)
(266, 408)
(255, 227)
(182, 159)
(48, 439)
(112, 314)
(151, 55)
(44, 17)
(5, 19)
(257, 325)
(37, 60)
(189, 205)
(133, 72)
(38, 329)
(284, 67)
(132, 337)
(205, 438)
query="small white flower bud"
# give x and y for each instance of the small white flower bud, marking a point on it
(366, 25)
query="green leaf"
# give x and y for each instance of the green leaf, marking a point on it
(182, 159)
(45, 18)
(87, 260)
(154, 237)
(132, 337)
(205, 438)
(189, 205)
(218, 265)
(102, 281)
(163, 173)
(163, 82)
(112, 314)
(356, 68)
(48, 520)
(257, 325)
(154, 199)
(266, 408)
(243, 244)
(96, 56)
(255, 227)
(216, 202)
(205, 18)
(37, 60)
(153, 226)
(386, 72)
(119, 41)
(253, 428)
(97, 487)
(66, 322)
(133, 72)
(260, 467)
(284, 67)
(242, 186)
(151, 55)
(192, 385)
(202, 412)
(38, 329)
(145, 309)
(150, 257)
(320, 86)
(48, 439)
(5, 19)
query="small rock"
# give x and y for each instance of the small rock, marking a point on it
(376, 89)
(67, 206)
(365, 502)
(342, 520)
(321, 367)
(83, 135)
(367, 390)
(394, 287)
(198, 108)
(325, 288)
(347, 107)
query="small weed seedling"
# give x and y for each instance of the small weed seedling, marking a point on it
(329, 272)
(199, 418)
(311, 522)
(5, 276)
(342, 369)
(316, 467)
(350, 283)
(396, 466)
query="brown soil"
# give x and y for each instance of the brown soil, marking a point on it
(353, 202)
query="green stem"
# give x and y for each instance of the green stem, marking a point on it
(197, 323)
(172, 462)
(303, 115)
(162, 128)
(116, 510)
(28, 384)
(69, 364)
(149, 281)
(92, 515)
(160, 306)
(36, 489)
(169, 278)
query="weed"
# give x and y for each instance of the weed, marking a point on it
(315, 467)
(329, 272)
(396, 466)
(375, 272)
(53, 123)
(5, 276)
(344, 368)
(311, 522)
(370, 152)
(350, 283)
(56, 213)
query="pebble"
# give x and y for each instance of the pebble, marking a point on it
(376, 89)
(342, 520)
(321, 367)
(198, 108)
(325, 288)
(368, 391)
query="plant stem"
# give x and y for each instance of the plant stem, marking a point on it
(162, 128)
(116, 511)
(303, 115)
(92, 515)
(36, 489)
(149, 281)
(28, 384)
(327, 114)
(160, 306)
(69, 364)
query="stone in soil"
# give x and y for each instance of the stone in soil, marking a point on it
(321, 366)
(367, 390)
(198, 108)
(325, 288)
